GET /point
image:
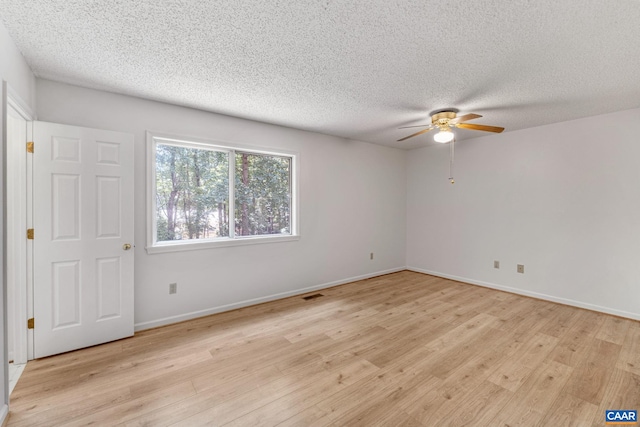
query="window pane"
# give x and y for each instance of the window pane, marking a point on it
(263, 194)
(192, 193)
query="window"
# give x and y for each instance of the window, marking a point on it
(262, 194)
(202, 194)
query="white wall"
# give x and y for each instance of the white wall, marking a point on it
(352, 202)
(562, 199)
(15, 71)
(16, 78)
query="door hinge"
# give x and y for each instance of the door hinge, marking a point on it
(30, 233)
(30, 323)
(30, 147)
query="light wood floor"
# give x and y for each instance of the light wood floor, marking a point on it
(402, 349)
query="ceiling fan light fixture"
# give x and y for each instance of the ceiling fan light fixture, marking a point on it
(443, 136)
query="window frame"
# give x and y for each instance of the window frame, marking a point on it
(153, 246)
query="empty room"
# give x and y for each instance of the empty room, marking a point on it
(320, 213)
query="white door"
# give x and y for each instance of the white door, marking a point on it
(83, 237)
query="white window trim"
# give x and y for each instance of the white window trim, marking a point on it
(154, 247)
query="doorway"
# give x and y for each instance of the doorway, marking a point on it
(77, 273)
(18, 133)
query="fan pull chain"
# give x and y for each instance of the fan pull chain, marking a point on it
(451, 151)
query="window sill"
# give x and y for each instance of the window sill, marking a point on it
(211, 244)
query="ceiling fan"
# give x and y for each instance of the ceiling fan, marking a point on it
(447, 119)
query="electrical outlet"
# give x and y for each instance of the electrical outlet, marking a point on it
(521, 268)
(173, 288)
(371, 255)
(496, 264)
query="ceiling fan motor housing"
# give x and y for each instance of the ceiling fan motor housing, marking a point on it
(443, 117)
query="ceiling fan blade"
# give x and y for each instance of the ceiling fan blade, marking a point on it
(464, 118)
(415, 134)
(417, 126)
(485, 128)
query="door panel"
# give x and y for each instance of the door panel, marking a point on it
(108, 197)
(83, 217)
(65, 211)
(109, 287)
(65, 280)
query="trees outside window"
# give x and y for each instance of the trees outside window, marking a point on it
(263, 194)
(203, 192)
(192, 193)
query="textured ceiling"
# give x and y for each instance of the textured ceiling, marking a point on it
(356, 69)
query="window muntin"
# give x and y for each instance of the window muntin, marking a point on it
(198, 182)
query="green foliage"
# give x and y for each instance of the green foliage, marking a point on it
(263, 194)
(192, 193)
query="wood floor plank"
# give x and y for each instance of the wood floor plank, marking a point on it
(364, 339)
(481, 406)
(512, 374)
(532, 400)
(233, 390)
(456, 356)
(630, 353)
(376, 414)
(426, 403)
(614, 329)
(462, 332)
(564, 320)
(570, 411)
(104, 376)
(403, 349)
(335, 322)
(573, 346)
(375, 388)
(123, 411)
(289, 405)
(400, 342)
(58, 411)
(310, 417)
(622, 392)
(590, 378)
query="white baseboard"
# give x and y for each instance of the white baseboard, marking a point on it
(565, 301)
(201, 313)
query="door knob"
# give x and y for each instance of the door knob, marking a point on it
(126, 246)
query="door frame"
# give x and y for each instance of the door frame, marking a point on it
(23, 298)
